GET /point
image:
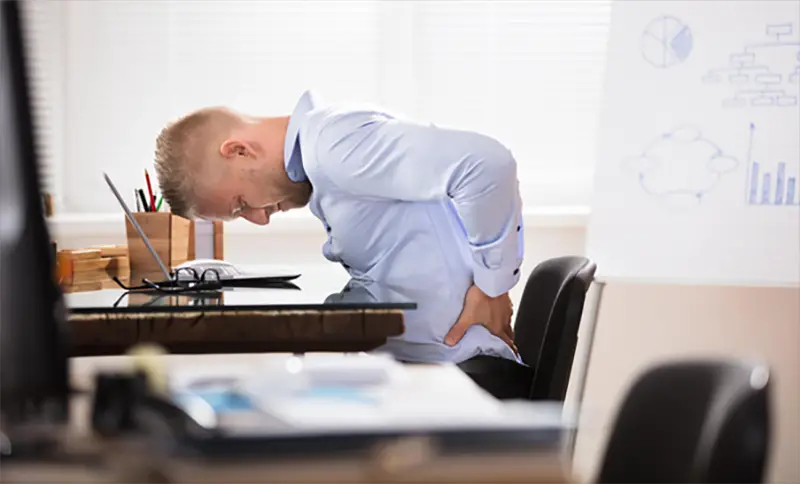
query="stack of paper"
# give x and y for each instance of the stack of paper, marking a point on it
(350, 393)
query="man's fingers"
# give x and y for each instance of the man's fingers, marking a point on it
(509, 342)
(457, 332)
(509, 332)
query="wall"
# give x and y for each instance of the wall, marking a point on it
(642, 324)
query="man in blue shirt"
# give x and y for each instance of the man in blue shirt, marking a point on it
(401, 201)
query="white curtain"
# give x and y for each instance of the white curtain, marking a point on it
(110, 73)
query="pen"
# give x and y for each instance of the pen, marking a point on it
(152, 198)
(144, 200)
(138, 203)
(158, 205)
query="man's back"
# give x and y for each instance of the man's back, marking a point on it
(415, 241)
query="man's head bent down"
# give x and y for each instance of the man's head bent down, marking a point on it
(218, 164)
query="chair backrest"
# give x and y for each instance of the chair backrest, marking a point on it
(692, 422)
(548, 317)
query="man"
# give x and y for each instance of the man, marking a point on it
(402, 202)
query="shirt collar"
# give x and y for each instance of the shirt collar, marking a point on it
(292, 156)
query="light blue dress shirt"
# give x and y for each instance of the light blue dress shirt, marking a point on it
(409, 205)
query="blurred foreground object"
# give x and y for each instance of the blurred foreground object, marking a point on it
(34, 386)
(693, 422)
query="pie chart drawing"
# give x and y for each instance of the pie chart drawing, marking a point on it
(666, 41)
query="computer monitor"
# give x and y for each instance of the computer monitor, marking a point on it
(33, 353)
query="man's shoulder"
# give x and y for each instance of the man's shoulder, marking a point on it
(331, 131)
(340, 118)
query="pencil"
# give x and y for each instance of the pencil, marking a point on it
(158, 204)
(152, 198)
(138, 203)
(144, 201)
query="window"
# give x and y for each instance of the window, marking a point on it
(527, 72)
(110, 74)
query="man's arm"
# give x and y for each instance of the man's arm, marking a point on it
(371, 154)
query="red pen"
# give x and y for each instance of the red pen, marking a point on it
(150, 190)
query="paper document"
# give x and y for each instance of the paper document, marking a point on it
(349, 393)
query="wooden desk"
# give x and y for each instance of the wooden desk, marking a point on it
(311, 317)
(245, 331)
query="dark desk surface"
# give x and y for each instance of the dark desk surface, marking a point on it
(313, 291)
(323, 311)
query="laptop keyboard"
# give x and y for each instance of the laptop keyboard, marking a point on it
(228, 272)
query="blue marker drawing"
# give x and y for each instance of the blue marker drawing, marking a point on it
(767, 74)
(680, 167)
(760, 183)
(765, 189)
(666, 41)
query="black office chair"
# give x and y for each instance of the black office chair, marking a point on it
(546, 334)
(692, 422)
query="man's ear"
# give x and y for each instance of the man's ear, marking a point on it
(232, 148)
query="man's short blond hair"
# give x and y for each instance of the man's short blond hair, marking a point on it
(185, 150)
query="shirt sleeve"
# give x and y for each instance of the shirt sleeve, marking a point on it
(376, 155)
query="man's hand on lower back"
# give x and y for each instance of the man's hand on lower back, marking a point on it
(494, 313)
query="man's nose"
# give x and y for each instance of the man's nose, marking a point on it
(256, 216)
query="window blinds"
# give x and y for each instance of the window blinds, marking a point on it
(108, 75)
(527, 72)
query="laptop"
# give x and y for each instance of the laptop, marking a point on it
(229, 275)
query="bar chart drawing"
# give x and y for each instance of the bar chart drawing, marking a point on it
(766, 189)
(770, 188)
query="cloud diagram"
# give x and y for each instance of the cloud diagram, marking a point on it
(680, 167)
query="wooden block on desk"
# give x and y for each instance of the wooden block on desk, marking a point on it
(112, 250)
(80, 254)
(99, 264)
(110, 284)
(119, 266)
(66, 260)
(82, 287)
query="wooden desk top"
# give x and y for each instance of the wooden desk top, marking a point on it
(321, 314)
(250, 331)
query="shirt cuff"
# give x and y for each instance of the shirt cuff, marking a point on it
(494, 282)
(496, 268)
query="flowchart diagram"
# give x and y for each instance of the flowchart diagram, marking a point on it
(763, 74)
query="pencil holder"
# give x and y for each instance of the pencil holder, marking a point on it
(170, 237)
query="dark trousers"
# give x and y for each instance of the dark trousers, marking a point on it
(503, 378)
